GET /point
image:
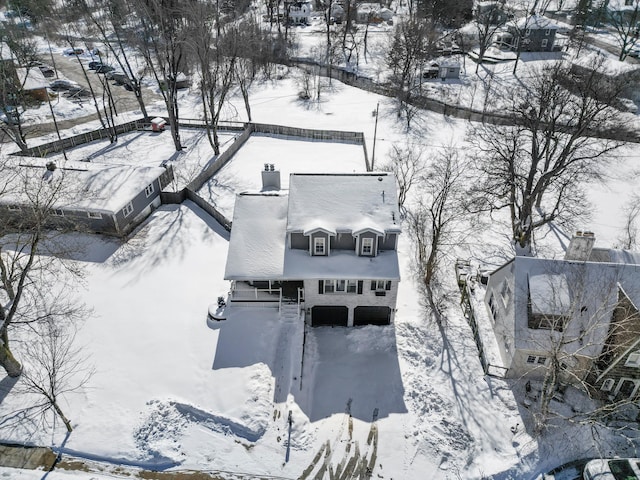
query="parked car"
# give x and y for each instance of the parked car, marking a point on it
(612, 469)
(94, 64)
(569, 471)
(73, 51)
(77, 92)
(103, 68)
(47, 71)
(62, 84)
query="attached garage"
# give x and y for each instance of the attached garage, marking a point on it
(372, 316)
(329, 315)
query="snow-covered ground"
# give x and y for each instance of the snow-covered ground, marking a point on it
(174, 391)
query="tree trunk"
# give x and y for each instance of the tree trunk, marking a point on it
(62, 416)
(8, 361)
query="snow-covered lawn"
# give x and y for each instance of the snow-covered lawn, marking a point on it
(288, 155)
(172, 390)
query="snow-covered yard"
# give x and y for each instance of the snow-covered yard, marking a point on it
(173, 391)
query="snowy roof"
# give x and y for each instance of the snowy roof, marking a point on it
(605, 64)
(81, 185)
(5, 52)
(298, 264)
(536, 22)
(257, 243)
(549, 294)
(332, 203)
(31, 78)
(343, 202)
(587, 291)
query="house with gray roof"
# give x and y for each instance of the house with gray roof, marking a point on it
(580, 311)
(328, 244)
(111, 199)
(534, 33)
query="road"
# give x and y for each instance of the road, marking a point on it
(69, 67)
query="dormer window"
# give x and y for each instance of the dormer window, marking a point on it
(367, 246)
(319, 246)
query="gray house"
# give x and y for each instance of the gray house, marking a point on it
(327, 245)
(580, 311)
(110, 199)
(534, 33)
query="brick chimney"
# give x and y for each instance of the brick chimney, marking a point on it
(580, 246)
(270, 178)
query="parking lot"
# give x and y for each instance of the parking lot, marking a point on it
(68, 66)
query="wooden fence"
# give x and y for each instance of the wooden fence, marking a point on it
(438, 106)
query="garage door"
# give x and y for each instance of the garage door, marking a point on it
(329, 316)
(371, 316)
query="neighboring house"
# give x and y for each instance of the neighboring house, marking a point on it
(328, 244)
(490, 13)
(583, 307)
(299, 13)
(534, 33)
(33, 83)
(621, 76)
(110, 199)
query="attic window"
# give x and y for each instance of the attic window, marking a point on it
(633, 360)
(319, 246)
(607, 385)
(547, 31)
(14, 208)
(367, 246)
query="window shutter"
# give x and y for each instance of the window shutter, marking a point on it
(321, 286)
(360, 285)
(387, 285)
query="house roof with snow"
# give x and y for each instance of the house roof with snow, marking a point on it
(587, 292)
(340, 203)
(258, 237)
(536, 22)
(31, 78)
(77, 185)
(331, 203)
(5, 52)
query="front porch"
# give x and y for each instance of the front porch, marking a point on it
(266, 293)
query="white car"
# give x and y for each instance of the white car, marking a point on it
(612, 469)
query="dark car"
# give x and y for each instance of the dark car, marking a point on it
(102, 68)
(94, 64)
(62, 84)
(47, 71)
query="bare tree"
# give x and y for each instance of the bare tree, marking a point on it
(629, 238)
(487, 22)
(162, 41)
(107, 22)
(24, 236)
(626, 24)
(434, 221)
(407, 165)
(537, 167)
(579, 320)
(54, 367)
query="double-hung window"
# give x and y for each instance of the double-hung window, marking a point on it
(149, 190)
(127, 210)
(367, 246)
(319, 246)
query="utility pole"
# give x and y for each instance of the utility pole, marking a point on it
(375, 132)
